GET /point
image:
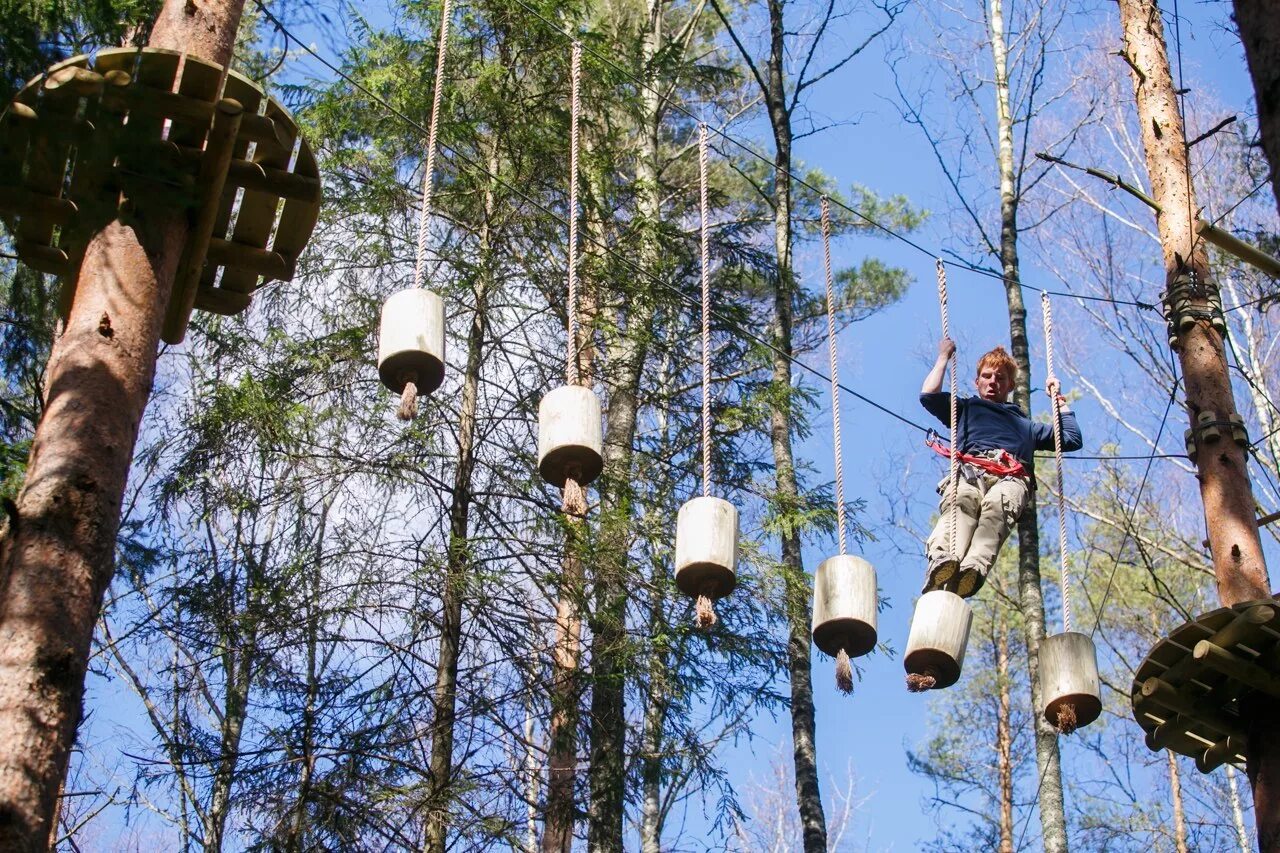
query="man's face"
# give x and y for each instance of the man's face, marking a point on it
(993, 384)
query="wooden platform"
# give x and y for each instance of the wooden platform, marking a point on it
(152, 127)
(1191, 693)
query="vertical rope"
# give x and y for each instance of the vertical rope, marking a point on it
(428, 180)
(575, 111)
(835, 379)
(951, 371)
(705, 250)
(1052, 383)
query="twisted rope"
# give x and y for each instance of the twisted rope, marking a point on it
(704, 239)
(1052, 382)
(575, 111)
(835, 378)
(951, 371)
(428, 180)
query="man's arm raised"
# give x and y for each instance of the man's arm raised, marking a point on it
(933, 381)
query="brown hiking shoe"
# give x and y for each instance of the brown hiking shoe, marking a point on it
(940, 574)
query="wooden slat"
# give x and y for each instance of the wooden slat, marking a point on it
(209, 183)
(219, 301)
(264, 262)
(250, 97)
(46, 161)
(298, 219)
(257, 215)
(156, 71)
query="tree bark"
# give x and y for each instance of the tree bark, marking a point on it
(58, 556)
(1030, 594)
(1179, 814)
(1004, 737)
(1238, 561)
(1237, 813)
(627, 323)
(562, 757)
(444, 700)
(1259, 27)
(804, 748)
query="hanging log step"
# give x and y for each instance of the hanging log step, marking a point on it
(152, 128)
(1193, 691)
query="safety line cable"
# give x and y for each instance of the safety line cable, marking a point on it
(954, 455)
(428, 179)
(835, 375)
(725, 320)
(724, 134)
(704, 250)
(1137, 500)
(1055, 400)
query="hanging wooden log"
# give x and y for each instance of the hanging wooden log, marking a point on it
(1069, 681)
(570, 440)
(707, 547)
(936, 644)
(844, 606)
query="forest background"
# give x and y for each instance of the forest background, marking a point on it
(267, 669)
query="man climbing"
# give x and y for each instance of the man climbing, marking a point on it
(997, 442)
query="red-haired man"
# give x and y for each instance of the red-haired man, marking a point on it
(997, 441)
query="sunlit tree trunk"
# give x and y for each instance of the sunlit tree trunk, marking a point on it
(1004, 738)
(57, 558)
(1238, 561)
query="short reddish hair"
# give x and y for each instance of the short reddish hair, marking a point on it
(1000, 359)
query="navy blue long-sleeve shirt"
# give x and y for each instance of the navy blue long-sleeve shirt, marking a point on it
(984, 425)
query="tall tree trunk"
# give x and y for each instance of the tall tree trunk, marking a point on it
(566, 687)
(627, 325)
(1053, 824)
(1237, 813)
(1004, 736)
(1179, 814)
(57, 558)
(808, 794)
(445, 699)
(1238, 561)
(562, 753)
(296, 841)
(657, 692)
(1259, 27)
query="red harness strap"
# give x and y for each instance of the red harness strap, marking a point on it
(1005, 465)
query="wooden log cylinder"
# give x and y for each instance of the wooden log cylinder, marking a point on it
(569, 436)
(411, 341)
(707, 547)
(939, 635)
(844, 606)
(1069, 675)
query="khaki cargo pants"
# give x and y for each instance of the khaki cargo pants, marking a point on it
(989, 508)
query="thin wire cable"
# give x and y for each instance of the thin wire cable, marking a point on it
(954, 478)
(428, 179)
(1137, 500)
(1056, 402)
(726, 321)
(835, 376)
(723, 134)
(575, 110)
(704, 249)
